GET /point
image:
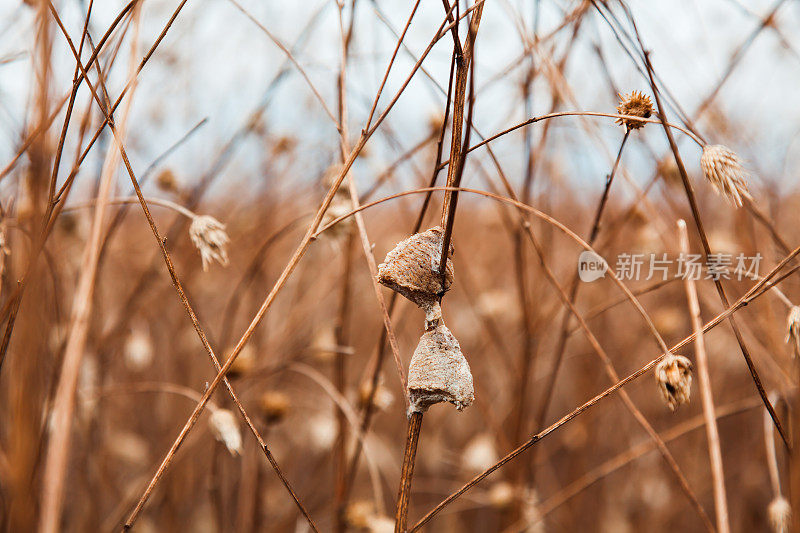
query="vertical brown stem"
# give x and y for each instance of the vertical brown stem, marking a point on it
(714, 452)
(404, 494)
(340, 333)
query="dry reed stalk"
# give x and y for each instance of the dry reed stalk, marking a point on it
(347, 242)
(267, 303)
(625, 458)
(58, 446)
(368, 410)
(119, 146)
(464, 65)
(744, 300)
(612, 374)
(712, 433)
(703, 238)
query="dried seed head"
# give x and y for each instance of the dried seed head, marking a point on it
(412, 268)
(480, 453)
(358, 513)
(380, 524)
(674, 378)
(274, 406)
(382, 398)
(138, 350)
(243, 364)
(793, 329)
(322, 431)
(636, 104)
(667, 168)
(439, 372)
(208, 235)
(226, 429)
(780, 515)
(284, 144)
(721, 167)
(166, 181)
(502, 495)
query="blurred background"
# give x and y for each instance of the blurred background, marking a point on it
(223, 122)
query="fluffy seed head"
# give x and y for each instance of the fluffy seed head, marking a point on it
(209, 237)
(226, 429)
(793, 329)
(780, 515)
(274, 406)
(412, 268)
(439, 372)
(674, 378)
(636, 104)
(723, 169)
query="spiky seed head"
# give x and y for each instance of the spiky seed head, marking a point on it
(793, 329)
(723, 169)
(209, 237)
(780, 515)
(439, 372)
(226, 429)
(635, 104)
(674, 378)
(274, 406)
(412, 268)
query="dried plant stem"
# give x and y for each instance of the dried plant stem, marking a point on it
(118, 145)
(772, 456)
(369, 408)
(704, 240)
(340, 381)
(712, 433)
(616, 463)
(464, 66)
(754, 292)
(58, 446)
(162, 202)
(612, 374)
(573, 290)
(404, 494)
(340, 327)
(279, 284)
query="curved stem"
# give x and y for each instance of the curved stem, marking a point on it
(135, 200)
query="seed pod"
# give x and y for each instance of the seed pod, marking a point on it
(439, 372)
(674, 378)
(412, 268)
